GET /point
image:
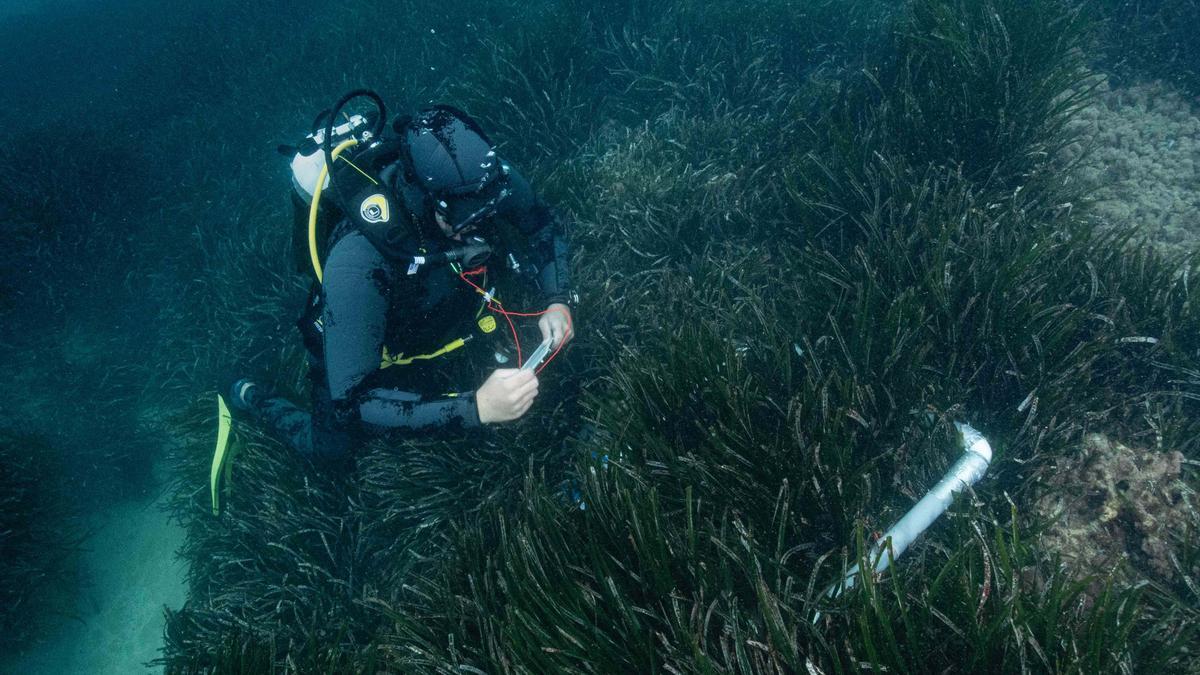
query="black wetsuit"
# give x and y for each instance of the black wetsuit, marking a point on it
(371, 302)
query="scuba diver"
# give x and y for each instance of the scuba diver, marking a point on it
(421, 216)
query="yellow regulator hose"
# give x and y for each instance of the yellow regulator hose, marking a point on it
(316, 203)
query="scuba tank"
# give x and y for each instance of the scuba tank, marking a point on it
(315, 169)
(308, 158)
(312, 156)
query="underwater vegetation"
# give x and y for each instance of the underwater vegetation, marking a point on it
(1155, 38)
(799, 268)
(809, 238)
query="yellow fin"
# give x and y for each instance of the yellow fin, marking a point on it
(220, 461)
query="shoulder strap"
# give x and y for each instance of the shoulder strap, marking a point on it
(374, 207)
(385, 221)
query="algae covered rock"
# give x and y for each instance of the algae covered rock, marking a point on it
(1112, 505)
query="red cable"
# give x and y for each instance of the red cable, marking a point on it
(497, 307)
(516, 340)
(492, 305)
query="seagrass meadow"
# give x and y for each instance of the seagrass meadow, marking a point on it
(808, 237)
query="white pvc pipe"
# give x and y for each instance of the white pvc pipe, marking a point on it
(977, 455)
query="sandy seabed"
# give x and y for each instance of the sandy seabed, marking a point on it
(130, 572)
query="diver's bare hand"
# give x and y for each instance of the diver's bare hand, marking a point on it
(557, 323)
(506, 395)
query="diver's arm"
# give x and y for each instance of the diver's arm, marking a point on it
(546, 239)
(356, 283)
(387, 409)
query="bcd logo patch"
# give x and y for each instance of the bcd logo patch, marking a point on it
(374, 209)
